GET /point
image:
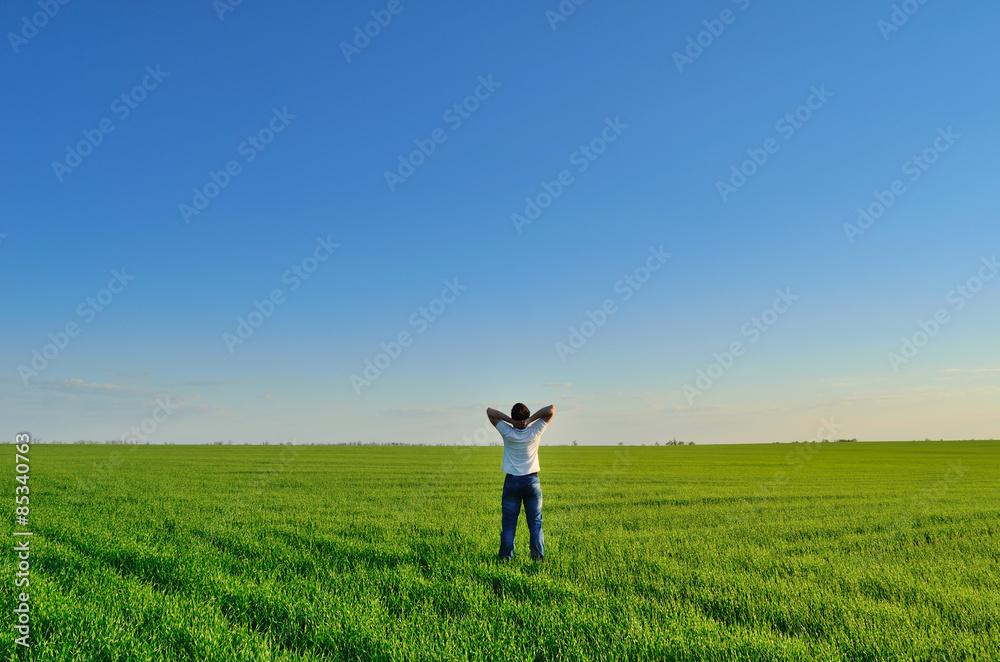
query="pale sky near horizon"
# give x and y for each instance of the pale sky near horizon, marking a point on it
(174, 173)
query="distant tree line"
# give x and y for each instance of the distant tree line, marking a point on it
(669, 442)
(674, 442)
(230, 442)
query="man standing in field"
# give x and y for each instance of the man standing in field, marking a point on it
(521, 432)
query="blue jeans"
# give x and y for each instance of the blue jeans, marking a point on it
(518, 489)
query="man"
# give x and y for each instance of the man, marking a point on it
(521, 432)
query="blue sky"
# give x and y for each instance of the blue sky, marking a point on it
(309, 136)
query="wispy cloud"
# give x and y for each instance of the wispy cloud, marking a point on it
(211, 382)
(119, 375)
(78, 386)
(971, 370)
(558, 384)
(413, 412)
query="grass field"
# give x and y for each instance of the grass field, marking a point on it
(837, 551)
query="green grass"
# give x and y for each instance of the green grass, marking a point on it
(777, 552)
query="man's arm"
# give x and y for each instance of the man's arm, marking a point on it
(495, 415)
(545, 414)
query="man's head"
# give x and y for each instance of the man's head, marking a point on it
(519, 412)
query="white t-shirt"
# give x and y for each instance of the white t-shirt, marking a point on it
(520, 447)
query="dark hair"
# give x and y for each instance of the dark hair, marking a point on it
(519, 412)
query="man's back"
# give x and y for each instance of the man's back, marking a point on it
(520, 447)
(521, 432)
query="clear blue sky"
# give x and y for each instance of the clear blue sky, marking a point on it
(681, 127)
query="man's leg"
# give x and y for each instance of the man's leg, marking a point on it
(510, 504)
(533, 513)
